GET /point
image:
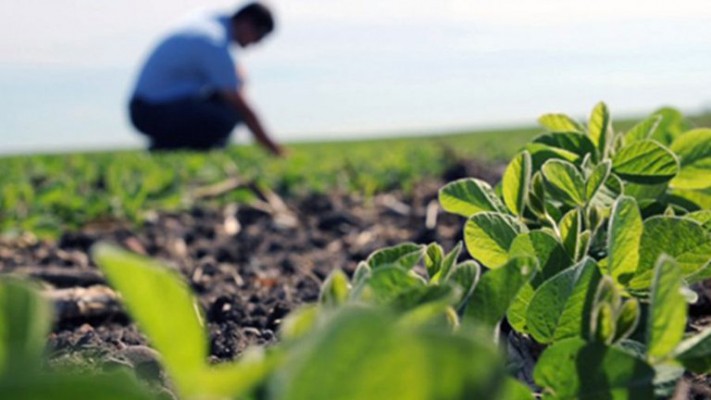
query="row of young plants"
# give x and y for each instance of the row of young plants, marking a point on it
(589, 247)
(48, 194)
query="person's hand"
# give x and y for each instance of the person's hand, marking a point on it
(280, 151)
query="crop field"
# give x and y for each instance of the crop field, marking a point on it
(570, 260)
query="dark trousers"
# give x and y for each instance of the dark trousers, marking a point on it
(193, 124)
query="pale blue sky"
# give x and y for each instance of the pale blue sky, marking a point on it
(338, 69)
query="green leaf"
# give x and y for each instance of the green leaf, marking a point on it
(603, 320)
(433, 259)
(540, 153)
(25, 319)
(670, 126)
(537, 196)
(335, 289)
(516, 314)
(646, 162)
(608, 192)
(151, 293)
(627, 319)
(574, 320)
(435, 297)
(603, 327)
(561, 298)
(488, 236)
(560, 123)
(703, 217)
(583, 245)
(691, 199)
(299, 322)
(552, 257)
(387, 283)
(564, 182)
(515, 390)
(597, 178)
(469, 196)
(232, 380)
(574, 369)
(362, 353)
(599, 129)
(448, 264)
(64, 386)
(695, 352)
(576, 143)
(405, 255)
(361, 274)
(497, 289)
(623, 239)
(667, 310)
(466, 276)
(643, 130)
(694, 151)
(569, 228)
(645, 194)
(515, 181)
(683, 239)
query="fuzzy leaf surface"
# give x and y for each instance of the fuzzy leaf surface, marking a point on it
(667, 311)
(469, 196)
(488, 236)
(516, 181)
(565, 182)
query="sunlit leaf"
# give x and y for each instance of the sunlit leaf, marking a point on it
(564, 182)
(644, 129)
(467, 197)
(599, 128)
(623, 239)
(489, 235)
(163, 307)
(25, 320)
(405, 255)
(515, 181)
(667, 311)
(560, 123)
(683, 239)
(597, 178)
(335, 289)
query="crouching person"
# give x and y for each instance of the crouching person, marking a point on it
(189, 94)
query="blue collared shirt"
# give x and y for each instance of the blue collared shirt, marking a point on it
(193, 60)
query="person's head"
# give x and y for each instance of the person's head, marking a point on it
(252, 23)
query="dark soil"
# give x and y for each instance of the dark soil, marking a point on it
(248, 265)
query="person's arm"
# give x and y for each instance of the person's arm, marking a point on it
(238, 101)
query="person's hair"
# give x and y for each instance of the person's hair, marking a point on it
(258, 14)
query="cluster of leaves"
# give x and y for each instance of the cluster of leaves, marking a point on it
(618, 224)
